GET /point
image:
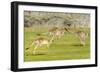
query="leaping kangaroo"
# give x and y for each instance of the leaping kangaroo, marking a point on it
(80, 34)
(39, 42)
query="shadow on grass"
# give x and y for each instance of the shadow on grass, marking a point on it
(76, 45)
(39, 54)
(35, 54)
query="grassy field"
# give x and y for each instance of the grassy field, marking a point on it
(66, 48)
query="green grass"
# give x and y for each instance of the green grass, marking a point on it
(66, 48)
